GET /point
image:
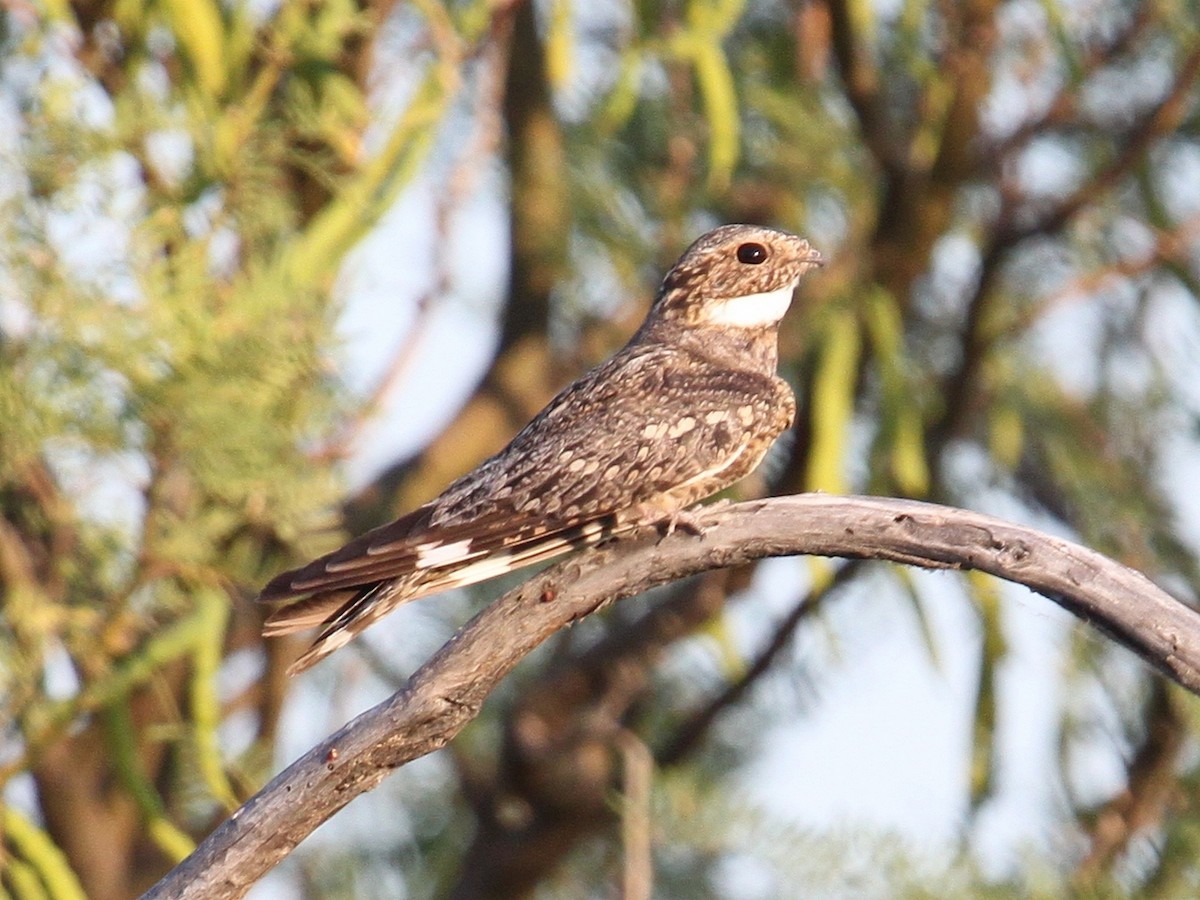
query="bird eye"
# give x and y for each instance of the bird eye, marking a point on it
(752, 254)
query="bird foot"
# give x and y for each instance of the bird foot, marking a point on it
(683, 520)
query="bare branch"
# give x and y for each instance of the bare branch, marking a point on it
(861, 80)
(481, 147)
(449, 690)
(693, 730)
(1151, 788)
(1161, 120)
(1063, 110)
(637, 876)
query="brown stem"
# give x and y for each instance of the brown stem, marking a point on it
(449, 690)
(692, 731)
(1150, 787)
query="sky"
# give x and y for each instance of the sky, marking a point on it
(885, 742)
(885, 745)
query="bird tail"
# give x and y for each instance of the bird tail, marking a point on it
(343, 613)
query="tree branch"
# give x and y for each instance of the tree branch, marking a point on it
(1162, 119)
(1151, 788)
(448, 691)
(861, 82)
(561, 741)
(1063, 110)
(693, 729)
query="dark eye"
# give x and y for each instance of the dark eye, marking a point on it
(752, 254)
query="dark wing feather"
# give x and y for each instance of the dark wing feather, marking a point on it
(282, 586)
(653, 422)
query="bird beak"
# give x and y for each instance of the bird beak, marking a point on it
(812, 258)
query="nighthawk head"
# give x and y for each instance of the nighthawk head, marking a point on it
(735, 276)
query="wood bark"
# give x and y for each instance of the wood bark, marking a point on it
(449, 690)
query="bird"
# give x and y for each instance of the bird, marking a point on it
(687, 407)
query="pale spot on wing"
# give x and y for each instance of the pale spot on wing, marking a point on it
(337, 640)
(717, 415)
(746, 415)
(493, 566)
(481, 571)
(333, 568)
(682, 427)
(436, 553)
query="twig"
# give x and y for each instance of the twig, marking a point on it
(1151, 787)
(693, 729)
(484, 143)
(1169, 246)
(1064, 107)
(1164, 118)
(637, 874)
(861, 80)
(449, 690)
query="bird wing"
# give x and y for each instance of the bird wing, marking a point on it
(628, 444)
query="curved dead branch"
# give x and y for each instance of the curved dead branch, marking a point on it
(448, 691)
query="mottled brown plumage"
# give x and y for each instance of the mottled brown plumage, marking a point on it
(689, 406)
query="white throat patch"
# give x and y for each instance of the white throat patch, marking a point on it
(751, 310)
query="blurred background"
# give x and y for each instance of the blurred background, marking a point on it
(274, 271)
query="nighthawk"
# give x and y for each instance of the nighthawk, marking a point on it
(690, 405)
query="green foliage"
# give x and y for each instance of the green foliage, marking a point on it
(35, 867)
(166, 375)
(702, 827)
(188, 177)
